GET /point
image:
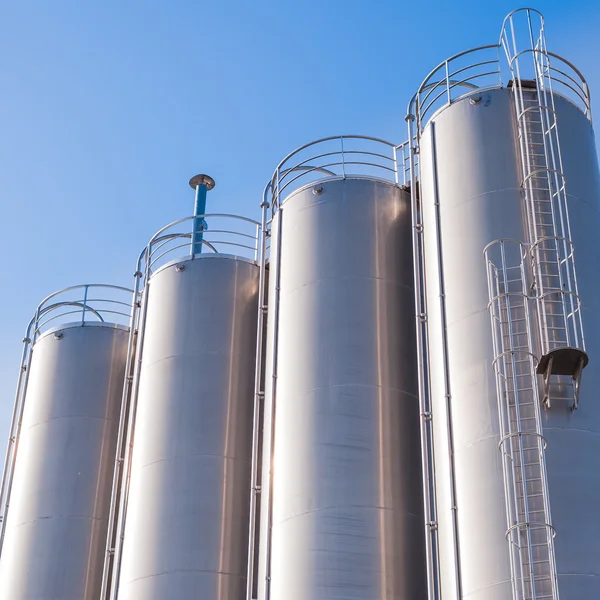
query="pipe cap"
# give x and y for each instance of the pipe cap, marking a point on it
(201, 179)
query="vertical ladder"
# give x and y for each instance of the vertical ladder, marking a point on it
(529, 527)
(409, 165)
(262, 237)
(554, 284)
(15, 427)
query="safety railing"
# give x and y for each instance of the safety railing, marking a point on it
(526, 56)
(82, 304)
(339, 157)
(76, 305)
(221, 234)
(486, 67)
(458, 75)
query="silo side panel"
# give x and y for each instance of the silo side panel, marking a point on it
(574, 437)
(56, 528)
(347, 494)
(469, 164)
(186, 533)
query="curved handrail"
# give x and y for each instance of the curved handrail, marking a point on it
(113, 300)
(511, 14)
(416, 103)
(337, 157)
(233, 235)
(441, 87)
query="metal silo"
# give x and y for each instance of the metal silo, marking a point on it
(506, 188)
(181, 515)
(342, 503)
(56, 483)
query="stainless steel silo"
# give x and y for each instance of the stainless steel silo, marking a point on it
(342, 490)
(516, 489)
(57, 479)
(185, 515)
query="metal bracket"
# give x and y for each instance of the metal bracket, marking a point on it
(547, 374)
(577, 383)
(563, 361)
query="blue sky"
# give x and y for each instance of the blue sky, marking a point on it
(108, 108)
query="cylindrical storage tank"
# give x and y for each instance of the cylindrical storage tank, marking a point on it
(345, 503)
(186, 529)
(59, 502)
(471, 195)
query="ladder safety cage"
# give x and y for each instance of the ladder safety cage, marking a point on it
(554, 285)
(529, 525)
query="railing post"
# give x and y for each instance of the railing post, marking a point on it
(85, 296)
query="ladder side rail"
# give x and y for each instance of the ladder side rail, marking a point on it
(121, 515)
(124, 415)
(511, 49)
(512, 338)
(550, 532)
(423, 361)
(545, 314)
(502, 367)
(15, 426)
(259, 392)
(544, 83)
(555, 178)
(427, 450)
(511, 505)
(272, 399)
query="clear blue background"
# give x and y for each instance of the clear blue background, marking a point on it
(108, 107)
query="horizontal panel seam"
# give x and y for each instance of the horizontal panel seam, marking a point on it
(160, 460)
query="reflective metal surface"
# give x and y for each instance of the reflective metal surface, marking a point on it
(56, 526)
(347, 503)
(186, 533)
(469, 164)
(477, 185)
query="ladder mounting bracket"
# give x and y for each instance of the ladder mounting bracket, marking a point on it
(562, 361)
